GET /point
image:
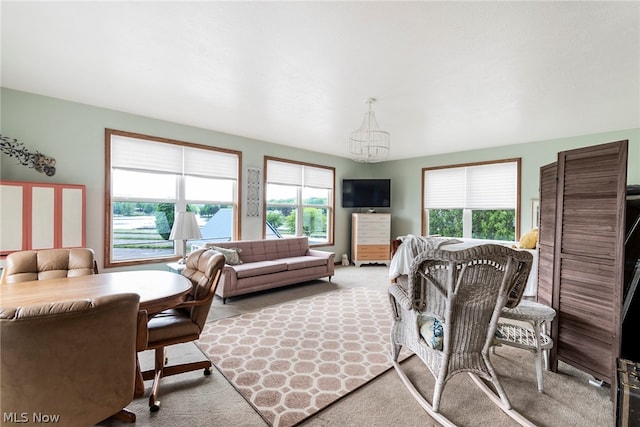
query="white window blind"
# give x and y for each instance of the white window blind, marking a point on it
(285, 173)
(445, 188)
(209, 163)
(483, 187)
(144, 155)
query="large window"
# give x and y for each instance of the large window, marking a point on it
(149, 179)
(299, 201)
(480, 200)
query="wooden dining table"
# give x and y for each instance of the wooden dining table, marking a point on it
(158, 291)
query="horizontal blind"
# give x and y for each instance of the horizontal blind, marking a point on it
(485, 187)
(210, 163)
(492, 186)
(284, 173)
(143, 155)
(318, 177)
(444, 188)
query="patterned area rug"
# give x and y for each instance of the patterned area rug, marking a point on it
(291, 360)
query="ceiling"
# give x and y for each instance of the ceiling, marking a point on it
(448, 76)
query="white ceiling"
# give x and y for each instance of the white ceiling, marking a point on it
(448, 76)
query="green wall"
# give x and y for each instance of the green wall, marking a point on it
(406, 174)
(73, 134)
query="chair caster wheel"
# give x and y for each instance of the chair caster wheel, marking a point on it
(155, 407)
(207, 371)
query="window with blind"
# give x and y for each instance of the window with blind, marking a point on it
(479, 200)
(149, 179)
(299, 200)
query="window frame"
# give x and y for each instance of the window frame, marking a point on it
(516, 160)
(180, 200)
(300, 206)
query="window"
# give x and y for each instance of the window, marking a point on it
(149, 179)
(480, 200)
(299, 201)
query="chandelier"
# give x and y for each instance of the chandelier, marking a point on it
(369, 144)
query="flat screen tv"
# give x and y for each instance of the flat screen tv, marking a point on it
(366, 193)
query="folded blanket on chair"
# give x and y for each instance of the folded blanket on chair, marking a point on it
(412, 246)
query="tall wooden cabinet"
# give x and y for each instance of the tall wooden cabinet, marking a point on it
(370, 238)
(631, 294)
(41, 216)
(582, 255)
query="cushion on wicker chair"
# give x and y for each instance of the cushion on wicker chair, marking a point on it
(431, 331)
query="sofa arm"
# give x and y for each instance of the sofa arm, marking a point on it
(322, 254)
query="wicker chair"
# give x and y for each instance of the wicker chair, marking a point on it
(448, 313)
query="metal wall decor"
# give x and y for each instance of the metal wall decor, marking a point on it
(38, 161)
(254, 179)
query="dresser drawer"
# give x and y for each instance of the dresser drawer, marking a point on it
(373, 239)
(372, 252)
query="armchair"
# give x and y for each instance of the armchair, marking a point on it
(48, 264)
(448, 313)
(72, 360)
(185, 322)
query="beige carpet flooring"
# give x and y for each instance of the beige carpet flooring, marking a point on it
(191, 399)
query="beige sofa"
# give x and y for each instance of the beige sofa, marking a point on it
(256, 265)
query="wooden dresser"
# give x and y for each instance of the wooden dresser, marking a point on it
(370, 238)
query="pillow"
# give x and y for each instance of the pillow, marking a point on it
(431, 331)
(231, 256)
(529, 240)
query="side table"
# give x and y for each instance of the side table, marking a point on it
(534, 339)
(176, 267)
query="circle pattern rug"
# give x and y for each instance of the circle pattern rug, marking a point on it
(291, 360)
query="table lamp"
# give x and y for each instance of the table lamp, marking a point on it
(185, 227)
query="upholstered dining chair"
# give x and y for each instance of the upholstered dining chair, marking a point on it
(44, 264)
(74, 362)
(185, 322)
(448, 313)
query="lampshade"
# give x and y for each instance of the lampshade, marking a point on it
(185, 227)
(369, 144)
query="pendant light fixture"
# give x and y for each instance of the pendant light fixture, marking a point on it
(369, 144)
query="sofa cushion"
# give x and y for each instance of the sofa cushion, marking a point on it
(297, 263)
(231, 255)
(258, 268)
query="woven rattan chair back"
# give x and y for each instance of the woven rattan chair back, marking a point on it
(464, 291)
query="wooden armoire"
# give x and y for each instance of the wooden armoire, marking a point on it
(581, 266)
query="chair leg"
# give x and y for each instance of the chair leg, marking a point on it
(161, 370)
(139, 387)
(160, 357)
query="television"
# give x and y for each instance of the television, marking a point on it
(366, 193)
